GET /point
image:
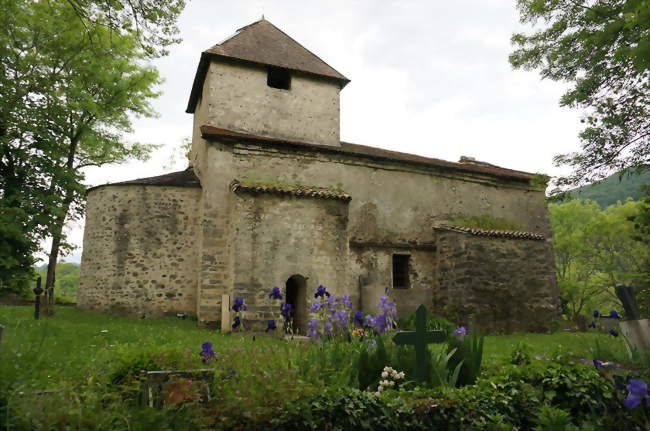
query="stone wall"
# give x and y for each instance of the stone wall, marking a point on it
(277, 237)
(140, 253)
(373, 266)
(502, 285)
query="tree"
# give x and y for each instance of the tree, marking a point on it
(602, 48)
(153, 22)
(67, 103)
(594, 250)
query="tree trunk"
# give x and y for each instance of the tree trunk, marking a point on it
(57, 234)
(57, 229)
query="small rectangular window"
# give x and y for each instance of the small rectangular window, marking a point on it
(401, 264)
(278, 77)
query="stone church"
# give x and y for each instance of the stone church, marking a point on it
(274, 198)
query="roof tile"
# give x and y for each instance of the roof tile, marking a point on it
(493, 233)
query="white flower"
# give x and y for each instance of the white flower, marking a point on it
(381, 388)
(103, 331)
(400, 375)
(391, 383)
(377, 393)
(384, 375)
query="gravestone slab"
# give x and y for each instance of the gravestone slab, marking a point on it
(177, 386)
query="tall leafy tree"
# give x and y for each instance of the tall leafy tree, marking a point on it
(594, 250)
(70, 90)
(602, 49)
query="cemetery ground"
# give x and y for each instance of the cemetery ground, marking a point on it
(80, 370)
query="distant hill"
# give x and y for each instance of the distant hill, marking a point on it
(613, 188)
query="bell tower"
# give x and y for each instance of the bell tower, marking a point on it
(262, 82)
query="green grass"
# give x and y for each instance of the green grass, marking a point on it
(94, 363)
(74, 343)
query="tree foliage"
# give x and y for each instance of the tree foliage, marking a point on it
(602, 48)
(152, 21)
(68, 102)
(594, 250)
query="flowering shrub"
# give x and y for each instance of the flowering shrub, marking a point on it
(390, 380)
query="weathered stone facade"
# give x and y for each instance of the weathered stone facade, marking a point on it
(282, 203)
(140, 253)
(499, 284)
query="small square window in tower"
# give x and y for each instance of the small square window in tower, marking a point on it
(278, 77)
(401, 266)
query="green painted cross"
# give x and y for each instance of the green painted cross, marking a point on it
(420, 338)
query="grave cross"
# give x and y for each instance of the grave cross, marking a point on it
(37, 298)
(420, 338)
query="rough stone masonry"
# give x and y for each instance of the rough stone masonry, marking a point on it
(274, 198)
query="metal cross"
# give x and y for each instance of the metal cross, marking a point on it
(419, 339)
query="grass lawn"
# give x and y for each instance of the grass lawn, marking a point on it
(74, 343)
(86, 359)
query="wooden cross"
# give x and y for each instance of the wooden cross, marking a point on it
(420, 338)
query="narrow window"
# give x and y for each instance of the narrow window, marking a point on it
(401, 271)
(278, 77)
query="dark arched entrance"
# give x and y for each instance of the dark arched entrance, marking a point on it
(296, 288)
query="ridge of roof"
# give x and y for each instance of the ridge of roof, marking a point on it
(184, 178)
(263, 43)
(357, 150)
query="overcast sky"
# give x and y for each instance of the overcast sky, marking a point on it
(428, 77)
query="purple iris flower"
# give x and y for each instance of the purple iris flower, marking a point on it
(597, 364)
(613, 332)
(346, 301)
(239, 305)
(315, 307)
(613, 315)
(313, 330)
(370, 320)
(461, 331)
(381, 323)
(592, 325)
(637, 392)
(328, 327)
(270, 325)
(236, 323)
(206, 352)
(321, 291)
(285, 310)
(341, 318)
(358, 318)
(275, 293)
(596, 313)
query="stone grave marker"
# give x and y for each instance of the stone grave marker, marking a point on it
(175, 387)
(419, 339)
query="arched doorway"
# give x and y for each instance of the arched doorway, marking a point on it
(296, 288)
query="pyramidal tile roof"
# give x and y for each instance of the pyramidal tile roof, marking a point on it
(263, 43)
